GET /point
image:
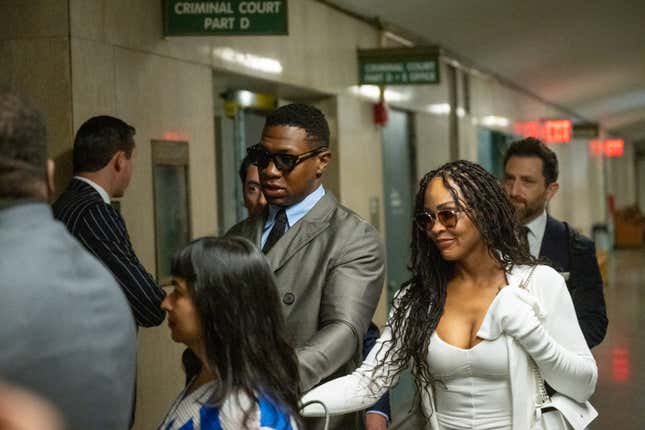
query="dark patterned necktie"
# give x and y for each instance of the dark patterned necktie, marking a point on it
(524, 238)
(279, 227)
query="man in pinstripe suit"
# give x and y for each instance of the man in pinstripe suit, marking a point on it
(103, 164)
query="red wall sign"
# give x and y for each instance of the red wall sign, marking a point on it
(557, 131)
(549, 131)
(596, 148)
(608, 148)
(614, 147)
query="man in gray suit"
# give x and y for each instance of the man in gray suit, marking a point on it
(67, 332)
(328, 262)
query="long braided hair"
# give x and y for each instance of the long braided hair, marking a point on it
(419, 304)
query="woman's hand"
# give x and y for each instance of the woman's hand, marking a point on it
(514, 311)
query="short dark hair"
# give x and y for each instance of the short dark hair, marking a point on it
(233, 289)
(98, 139)
(244, 167)
(303, 116)
(23, 147)
(532, 147)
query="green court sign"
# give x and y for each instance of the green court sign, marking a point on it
(398, 66)
(224, 18)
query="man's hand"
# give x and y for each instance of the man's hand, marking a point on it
(375, 422)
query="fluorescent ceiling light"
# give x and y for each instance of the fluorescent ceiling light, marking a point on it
(373, 92)
(495, 121)
(444, 109)
(439, 108)
(255, 62)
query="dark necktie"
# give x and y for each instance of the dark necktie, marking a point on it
(279, 227)
(524, 237)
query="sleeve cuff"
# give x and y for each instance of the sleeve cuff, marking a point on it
(379, 413)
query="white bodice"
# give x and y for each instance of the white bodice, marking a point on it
(473, 385)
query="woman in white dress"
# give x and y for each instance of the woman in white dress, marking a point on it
(224, 306)
(463, 323)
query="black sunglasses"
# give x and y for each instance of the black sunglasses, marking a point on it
(447, 217)
(283, 162)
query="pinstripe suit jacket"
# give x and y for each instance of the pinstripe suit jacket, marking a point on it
(101, 229)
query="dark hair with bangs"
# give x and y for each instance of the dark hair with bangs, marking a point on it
(419, 305)
(303, 116)
(234, 292)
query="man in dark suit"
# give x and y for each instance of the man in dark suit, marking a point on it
(104, 153)
(328, 262)
(530, 180)
(66, 330)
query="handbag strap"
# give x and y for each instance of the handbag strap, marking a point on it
(541, 396)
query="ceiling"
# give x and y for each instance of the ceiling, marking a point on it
(587, 56)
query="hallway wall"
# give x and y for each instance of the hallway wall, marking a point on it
(34, 59)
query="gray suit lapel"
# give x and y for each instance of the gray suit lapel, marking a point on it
(303, 232)
(250, 228)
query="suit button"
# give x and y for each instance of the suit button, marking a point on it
(288, 299)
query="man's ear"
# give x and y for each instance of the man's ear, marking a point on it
(119, 160)
(51, 169)
(551, 189)
(323, 161)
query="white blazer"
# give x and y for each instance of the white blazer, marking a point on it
(555, 342)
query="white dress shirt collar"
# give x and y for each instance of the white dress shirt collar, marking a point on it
(536, 233)
(99, 189)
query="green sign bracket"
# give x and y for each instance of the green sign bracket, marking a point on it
(399, 66)
(225, 18)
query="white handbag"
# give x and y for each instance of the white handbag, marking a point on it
(556, 412)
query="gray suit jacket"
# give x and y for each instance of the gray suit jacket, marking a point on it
(329, 268)
(66, 330)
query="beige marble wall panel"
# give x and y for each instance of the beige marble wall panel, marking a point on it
(94, 80)
(360, 166)
(25, 19)
(331, 179)
(468, 144)
(622, 177)
(39, 68)
(433, 142)
(359, 155)
(574, 201)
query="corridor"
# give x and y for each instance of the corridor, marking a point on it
(621, 356)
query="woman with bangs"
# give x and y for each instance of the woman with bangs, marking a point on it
(481, 323)
(224, 306)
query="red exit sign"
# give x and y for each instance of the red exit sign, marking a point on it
(549, 131)
(608, 148)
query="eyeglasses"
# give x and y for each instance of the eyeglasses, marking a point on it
(447, 217)
(283, 162)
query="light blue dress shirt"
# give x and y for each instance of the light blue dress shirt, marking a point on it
(294, 212)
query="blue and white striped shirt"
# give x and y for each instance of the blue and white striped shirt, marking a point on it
(192, 412)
